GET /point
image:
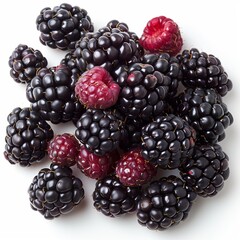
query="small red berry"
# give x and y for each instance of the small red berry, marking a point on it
(161, 34)
(63, 149)
(133, 170)
(94, 166)
(96, 89)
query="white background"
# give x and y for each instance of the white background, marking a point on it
(211, 26)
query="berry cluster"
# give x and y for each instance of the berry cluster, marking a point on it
(137, 104)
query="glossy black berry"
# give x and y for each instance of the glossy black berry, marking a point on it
(27, 137)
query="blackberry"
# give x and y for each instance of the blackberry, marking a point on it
(143, 92)
(203, 70)
(167, 65)
(51, 93)
(27, 137)
(112, 198)
(167, 141)
(165, 203)
(207, 170)
(100, 130)
(204, 110)
(25, 62)
(110, 47)
(62, 26)
(55, 191)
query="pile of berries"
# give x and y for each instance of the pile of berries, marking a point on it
(137, 104)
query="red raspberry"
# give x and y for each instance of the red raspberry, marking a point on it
(96, 89)
(94, 166)
(133, 170)
(161, 35)
(63, 149)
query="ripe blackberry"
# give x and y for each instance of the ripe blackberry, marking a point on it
(204, 110)
(161, 34)
(110, 47)
(55, 191)
(25, 62)
(63, 149)
(168, 65)
(167, 141)
(133, 170)
(112, 198)
(51, 93)
(94, 166)
(62, 26)
(27, 137)
(165, 203)
(100, 130)
(143, 92)
(207, 170)
(96, 89)
(203, 70)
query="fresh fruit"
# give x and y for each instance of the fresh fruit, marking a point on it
(62, 26)
(94, 166)
(63, 149)
(96, 89)
(165, 203)
(25, 62)
(112, 198)
(161, 34)
(55, 191)
(206, 170)
(51, 93)
(204, 110)
(167, 141)
(203, 70)
(27, 137)
(100, 131)
(133, 170)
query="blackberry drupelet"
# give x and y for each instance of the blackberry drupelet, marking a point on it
(165, 203)
(112, 198)
(100, 130)
(55, 191)
(62, 26)
(203, 70)
(207, 170)
(143, 92)
(204, 110)
(168, 65)
(27, 137)
(110, 47)
(51, 93)
(167, 141)
(25, 62)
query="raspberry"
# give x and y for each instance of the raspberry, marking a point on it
(94, 166)
(133, 170)
(161, 35)
(63, 149)
(96, 89)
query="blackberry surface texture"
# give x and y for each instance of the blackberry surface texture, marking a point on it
(143, 92)
(25, 62)
(55, 191)
(110, 47)
(167, 141)
(204, 110)
(165, 203)
(206, 170)
(100, 130)
(51, 93)
(204, 70)
(62, 26)
(112, 198)
(27, 137)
